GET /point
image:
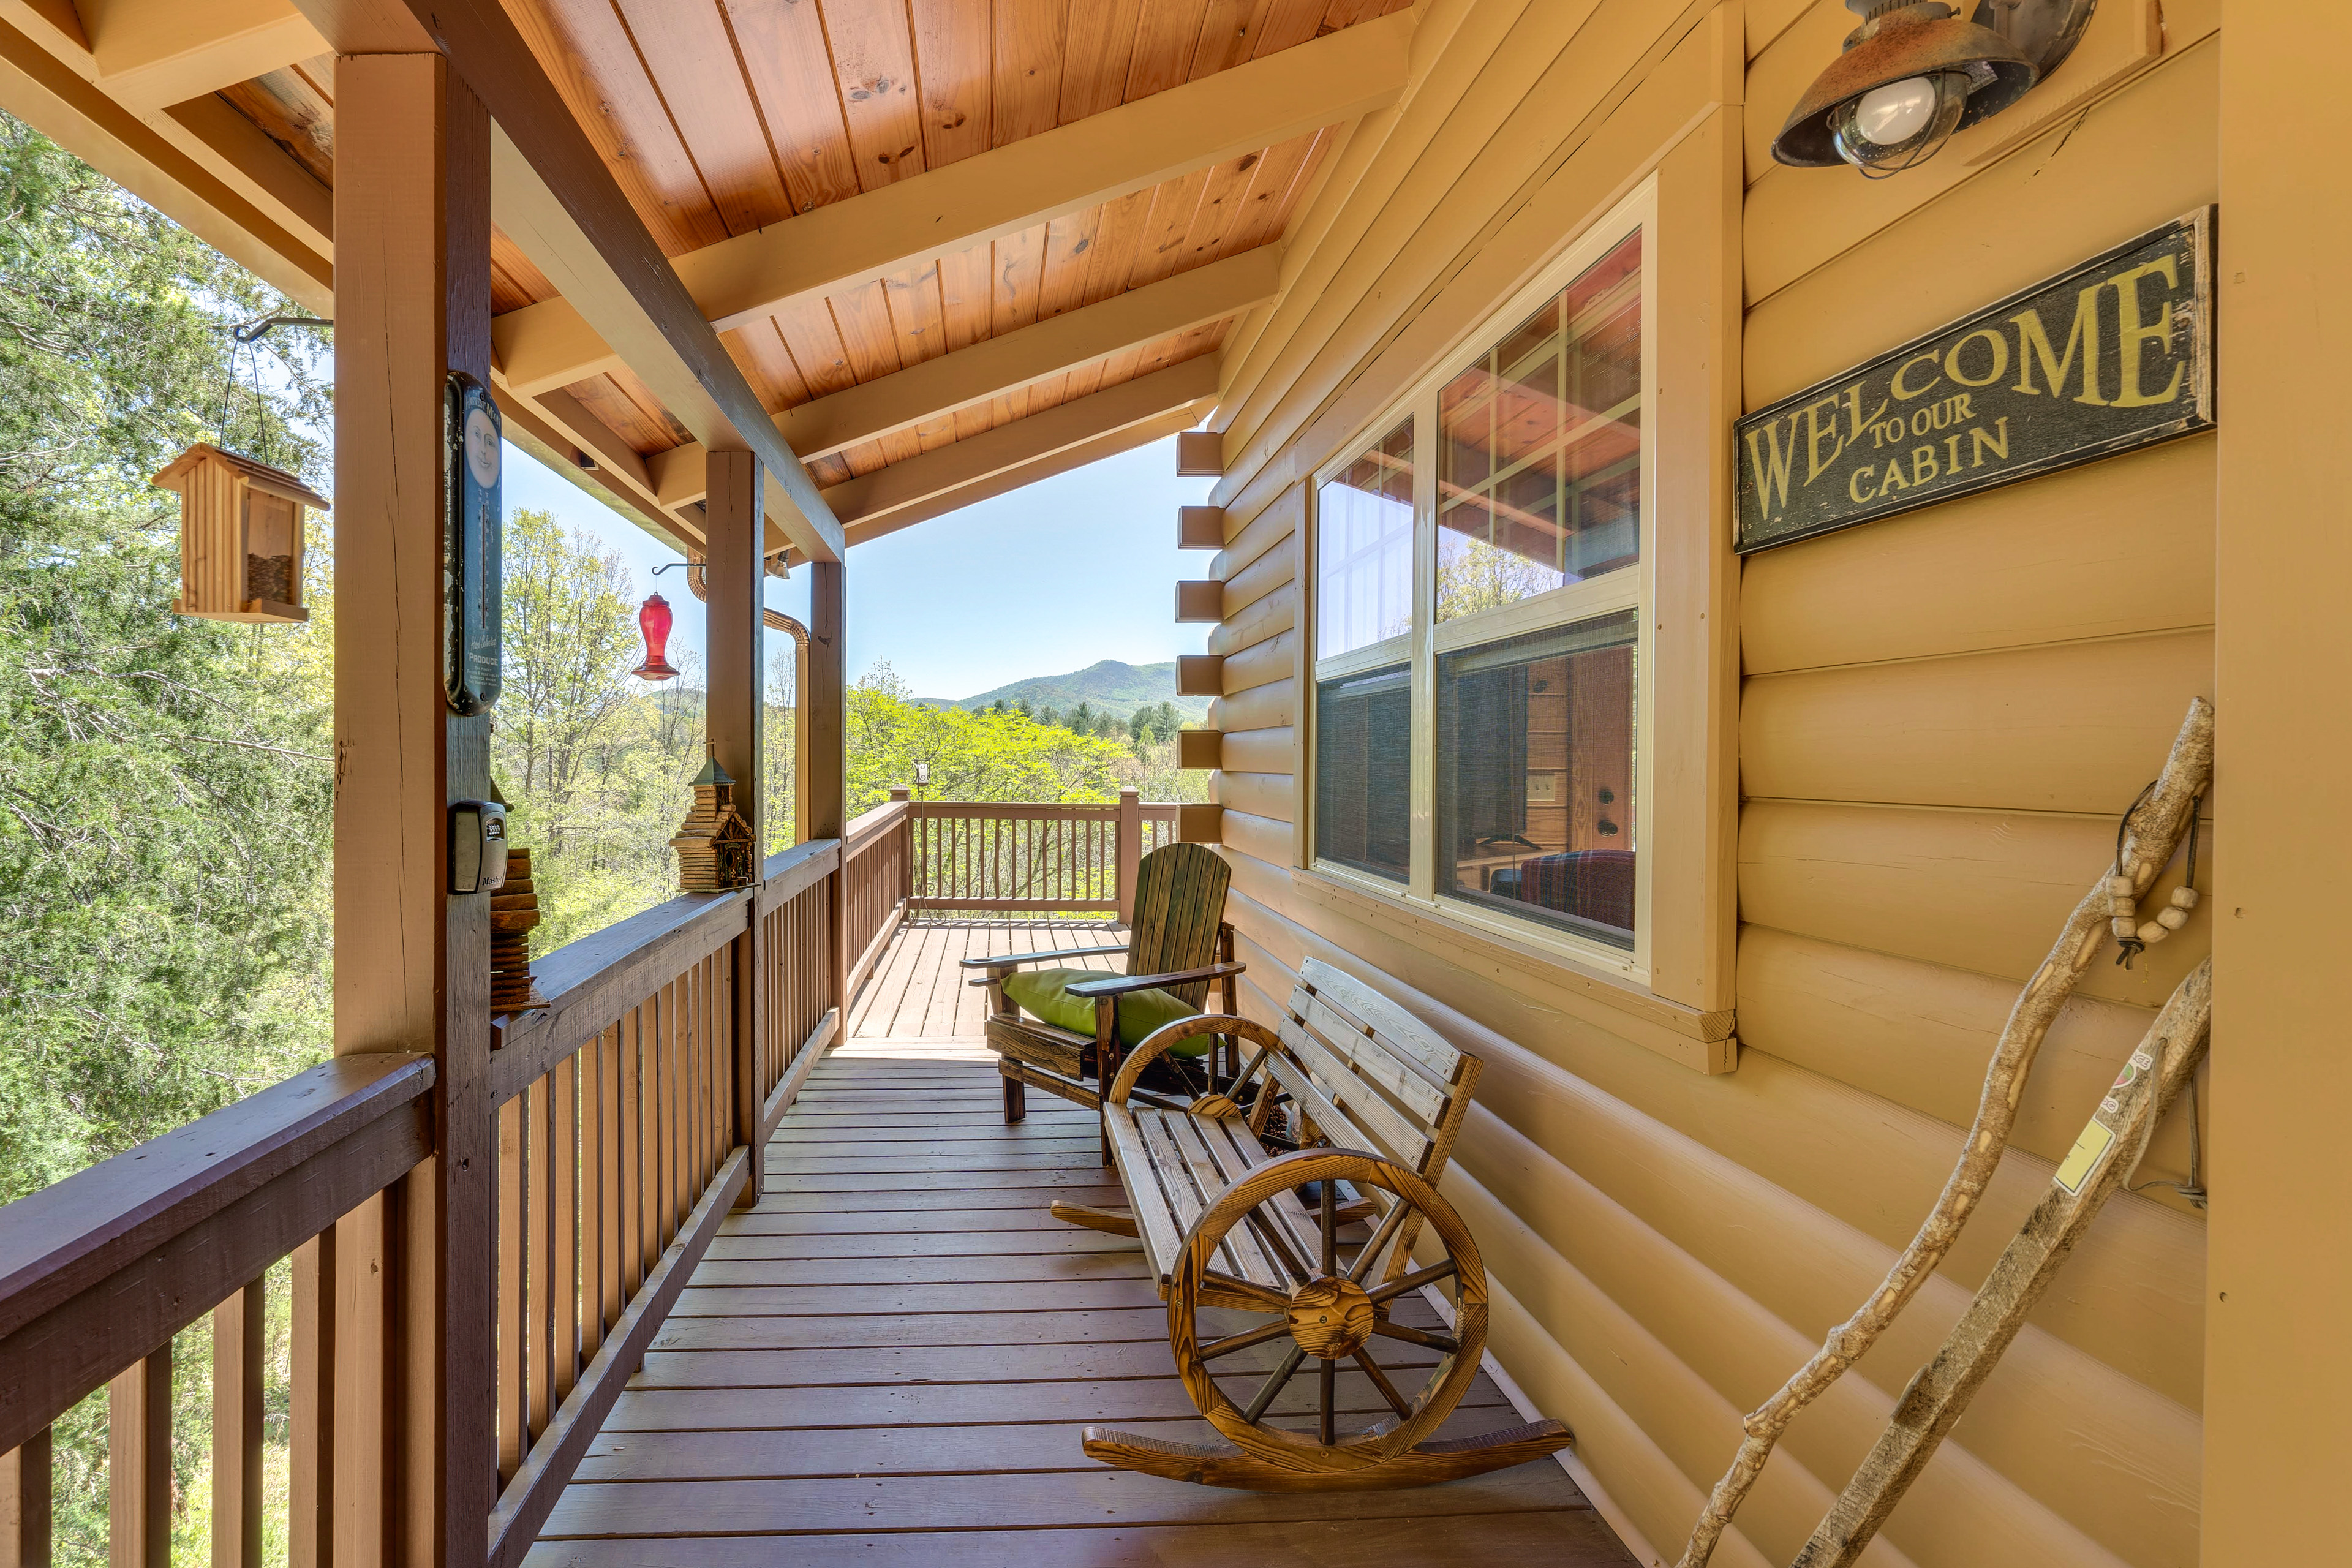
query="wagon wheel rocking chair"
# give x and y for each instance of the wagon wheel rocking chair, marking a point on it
(1055, 1028)
(1265, 1264)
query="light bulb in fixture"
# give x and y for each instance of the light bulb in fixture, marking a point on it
(1896, 112)
(1901, 124)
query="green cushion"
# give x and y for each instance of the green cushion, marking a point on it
(1044, 994)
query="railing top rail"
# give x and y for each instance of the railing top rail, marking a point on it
(590, 983)
(1026, 811)
(53, 1241)
(107, 1265)
(864, 827)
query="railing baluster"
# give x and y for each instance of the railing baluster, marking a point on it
(514, 1332)
(675, 1041)
(563, 1221)
(658, 1137)
(634, 1167)
(24, 1501)
(238, 1364)
(594, 1160)
(139, 1464)
(539, 1258)
(613, 1292)
(311, 1459)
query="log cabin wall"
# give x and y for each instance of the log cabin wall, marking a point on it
(1937, 718)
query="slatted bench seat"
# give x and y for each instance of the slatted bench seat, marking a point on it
(1301, 1203)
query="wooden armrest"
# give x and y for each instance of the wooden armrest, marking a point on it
(1120, 984)
(1015, 960)
(1176, 1034)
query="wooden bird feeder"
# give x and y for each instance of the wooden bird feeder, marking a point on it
(240, 536)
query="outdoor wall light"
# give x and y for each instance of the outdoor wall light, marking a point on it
(1915, 72)
(653, 622)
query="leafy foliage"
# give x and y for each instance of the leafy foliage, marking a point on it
(165, 794)
(593, 762)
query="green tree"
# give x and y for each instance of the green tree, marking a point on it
(985, 755)
(165, 792)
(595, 763)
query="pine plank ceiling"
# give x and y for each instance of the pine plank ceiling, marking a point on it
(721, 117)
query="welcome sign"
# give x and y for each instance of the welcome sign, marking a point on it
(2109, 355)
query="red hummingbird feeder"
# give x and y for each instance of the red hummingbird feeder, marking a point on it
(653, 622)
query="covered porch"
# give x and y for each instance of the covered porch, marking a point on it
(891, 1354)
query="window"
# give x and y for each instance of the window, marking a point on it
(1364, 577)
(1480, 580)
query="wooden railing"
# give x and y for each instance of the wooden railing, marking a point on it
(879, 864)
(628, 1111)
(99, 1272)
(996, 856)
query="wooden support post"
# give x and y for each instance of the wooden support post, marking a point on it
(411, 292)
(2278, 1365)
(238, 1353)
(1131, 850)
(905, 886)
(734, 525)
(25, 1499)
(800, 834)
(823, 716)
(139, 1464)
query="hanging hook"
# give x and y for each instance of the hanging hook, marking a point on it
(253, 331)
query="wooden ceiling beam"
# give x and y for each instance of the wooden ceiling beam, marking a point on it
(47, 93)
(553, 195)
(529, 426)
(1003, 482)
(151, 53)
(1339, 77)
(1329, 80)
(1054, 346)
(685, 380)
(959, 467)
(994, 366)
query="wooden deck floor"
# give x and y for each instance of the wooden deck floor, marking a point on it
(887, 1361)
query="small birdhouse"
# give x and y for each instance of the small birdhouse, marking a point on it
(714, 844)
(240, 536)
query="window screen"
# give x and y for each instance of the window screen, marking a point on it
(1540, 450)
(1362, 778)
(1363, 548)
(1534, 776)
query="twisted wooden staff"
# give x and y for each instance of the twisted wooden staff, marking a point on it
(2103, 1157)
(2153, 831)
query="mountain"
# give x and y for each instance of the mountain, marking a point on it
(1108, 687)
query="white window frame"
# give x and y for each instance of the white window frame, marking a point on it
(1634, 588)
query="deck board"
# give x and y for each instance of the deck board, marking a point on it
(888, 1358)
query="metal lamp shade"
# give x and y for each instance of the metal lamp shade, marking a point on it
(653, 622)
(1917, 41)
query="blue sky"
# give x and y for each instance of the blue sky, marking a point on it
(1047, 579)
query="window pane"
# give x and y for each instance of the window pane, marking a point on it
(1364, 727)
(1534, 776)
(1540, 457)
(1363, 548)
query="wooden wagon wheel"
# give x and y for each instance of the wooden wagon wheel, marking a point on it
(1337, 1310)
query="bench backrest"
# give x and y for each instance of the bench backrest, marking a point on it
(1370, 1073)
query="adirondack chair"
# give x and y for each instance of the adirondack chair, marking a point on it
(1178, 942)
(1236, 1199)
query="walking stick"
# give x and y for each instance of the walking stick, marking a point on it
(2152, 830)
(2102, 1159)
